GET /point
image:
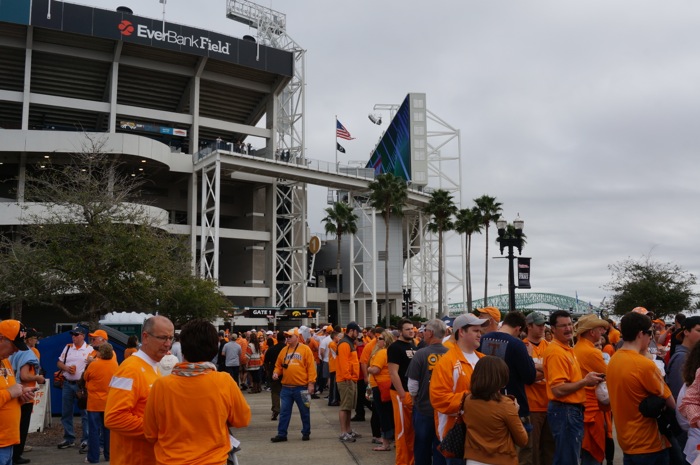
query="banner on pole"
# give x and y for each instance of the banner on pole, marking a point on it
(524, 273)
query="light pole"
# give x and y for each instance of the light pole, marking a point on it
(510, 236)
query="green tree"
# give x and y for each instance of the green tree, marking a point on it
(388, 194)
(662, 288)
(89, 245)
(339, 220)
(468, 222)
(441, 208)
(490, 211)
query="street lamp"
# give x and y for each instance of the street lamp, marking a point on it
(510, 236)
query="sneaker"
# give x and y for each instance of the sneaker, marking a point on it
(279, 439)
(357, 418)
(346, 437)
(28, 448)
(66, 445)
(20, 460)
(355, 435)
(305, 437)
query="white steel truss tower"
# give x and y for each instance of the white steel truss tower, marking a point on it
(290, 232)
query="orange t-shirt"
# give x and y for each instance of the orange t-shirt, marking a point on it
(367, 351)
(590, 359)
(632, 378)
(97, 378)
(129, 352)
(9, 408)
(537, 392)
(313, 345)
(332, 362)
(187, 418)
(613, 336)
(348, 366)
(561, 366)
(380, 361)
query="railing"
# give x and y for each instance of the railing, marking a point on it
(284, 158)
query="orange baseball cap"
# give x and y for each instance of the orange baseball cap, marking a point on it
(493, 312)
(100, 333)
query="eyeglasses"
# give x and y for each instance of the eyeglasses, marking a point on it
(162, 338)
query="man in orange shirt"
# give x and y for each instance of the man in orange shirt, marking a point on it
(295, 367)
(313, 345)
(540, 447)
(451, 378)
(12, 394)
(596, 424)
(613, 333)
(128, 393)
(347, 374)
(632, 378)
(565, 390)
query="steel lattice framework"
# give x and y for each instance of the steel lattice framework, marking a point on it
(527, 300)
(290, 238)
(209, 245)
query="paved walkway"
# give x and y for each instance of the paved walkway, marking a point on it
(257, 449)
(324, 446)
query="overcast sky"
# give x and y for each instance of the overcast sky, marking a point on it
(581, 116)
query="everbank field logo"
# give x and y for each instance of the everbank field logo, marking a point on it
(126, 28)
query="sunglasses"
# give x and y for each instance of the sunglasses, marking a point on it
(380, 338)
(647, 332)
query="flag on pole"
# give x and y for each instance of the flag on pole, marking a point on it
(340, 148)
(341, 132)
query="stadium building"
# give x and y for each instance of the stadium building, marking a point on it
(197, 114)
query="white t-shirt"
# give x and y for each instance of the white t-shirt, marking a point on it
(471, 358)
(324, 345)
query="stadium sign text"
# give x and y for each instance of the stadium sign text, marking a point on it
(173, 37)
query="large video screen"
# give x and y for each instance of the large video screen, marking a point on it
(393, 153)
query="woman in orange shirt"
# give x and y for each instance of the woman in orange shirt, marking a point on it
(97, 376)
(493, 424)
(379, 375)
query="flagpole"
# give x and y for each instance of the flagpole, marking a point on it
(335, 130)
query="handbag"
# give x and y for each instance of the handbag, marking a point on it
(58, 377)
(452, 445)
(384, 391)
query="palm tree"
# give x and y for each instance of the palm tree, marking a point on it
(490, 213)
(388, 195)
(441, 208)
(339, 220)
(468, 222)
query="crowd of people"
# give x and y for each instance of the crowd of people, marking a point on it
(530, 389)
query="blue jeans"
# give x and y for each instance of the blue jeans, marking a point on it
(288, 397)
(6, 455)
(96, 421)
(455, 461)
(67, 407)
(426, 442)
(566, 423)
(655, 458)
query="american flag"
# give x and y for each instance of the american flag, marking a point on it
(341, 132)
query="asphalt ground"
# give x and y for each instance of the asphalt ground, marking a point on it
(256, 448)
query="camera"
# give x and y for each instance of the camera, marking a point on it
(285, 365)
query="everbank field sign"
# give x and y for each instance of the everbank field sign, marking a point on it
(149, 32)
(126, 28)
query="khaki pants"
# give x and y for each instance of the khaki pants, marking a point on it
(540, 446)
